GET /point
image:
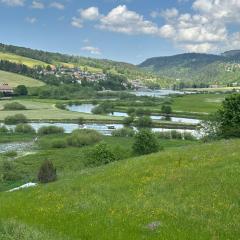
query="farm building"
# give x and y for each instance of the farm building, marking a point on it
(6, 89)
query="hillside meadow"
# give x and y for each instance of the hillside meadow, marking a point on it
(14, 80)
(184, 193)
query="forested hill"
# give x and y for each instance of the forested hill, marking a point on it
(198, 68)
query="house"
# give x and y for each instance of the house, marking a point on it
(6, 89)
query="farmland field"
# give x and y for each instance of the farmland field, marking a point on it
(19, 59)
(14, 80)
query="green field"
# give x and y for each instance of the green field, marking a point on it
(46, 110)
(190, 192)
(14, 80)
(198, 103)
(21, 60)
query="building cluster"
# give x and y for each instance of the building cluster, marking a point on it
(6, 90)
(77, 73)
(232, 67)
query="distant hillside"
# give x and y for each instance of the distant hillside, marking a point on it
(198, 68)
(14, 80)
(33, 58)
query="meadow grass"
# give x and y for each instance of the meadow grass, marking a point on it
(190, 192)
(21, 60)
(13, 80)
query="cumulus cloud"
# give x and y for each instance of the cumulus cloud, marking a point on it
(91, 13)
(205, 29)
(57, 5)
(92, 50)
(13, 3)
(37, 5)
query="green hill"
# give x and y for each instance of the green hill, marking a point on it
(14, 80)
(198, 68)
(32, 58)
(184, 193)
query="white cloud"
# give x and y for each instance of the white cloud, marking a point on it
(57, 5)
(14, 3)
(205, 29)
(201, 47)
(92, 50)
(37, 5)
(121, 20)
(77, 22)
(91, 13)
(31, 20)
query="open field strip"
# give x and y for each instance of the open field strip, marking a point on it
(13, 80)
(21, 60)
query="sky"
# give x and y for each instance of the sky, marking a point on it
(122, 30)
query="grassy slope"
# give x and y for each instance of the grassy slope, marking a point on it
(19, 59)
(193, 192)
(14, 80)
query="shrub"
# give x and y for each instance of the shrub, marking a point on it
(176, 135)
(166, 109)
(83, 137)
(163, 135)
(123, 132)
(60, 106)
(80, 121)
(14, 106)
(24, 128)
(21, 90)
(145, 142)
(47, 172)
(47, 130)
(59, 143)
(140, 112)
(188, 136)
(3, 129)
(15, 119)
(144, 122)
(102, 154)
(10, 154)
(131, 111)
(9, 172)
(127, 121)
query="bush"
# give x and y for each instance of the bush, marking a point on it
(176, 135)
(144, 122)
(59, 143)
(145, 142)
(163, 135)
(14, 106)
(9, 172)
(80, 121)
(83, 137)
(60, 106)
(188, 136)
(24, 128)
(166, 109)
(102, 154)
(15, 119)
(131, 111)
(21, 90)
(3, 129)
(123, 132)
(127, 121)
(47, 172)
(47, 130)
(10, 154)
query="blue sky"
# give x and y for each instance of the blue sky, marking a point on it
(123, 30)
